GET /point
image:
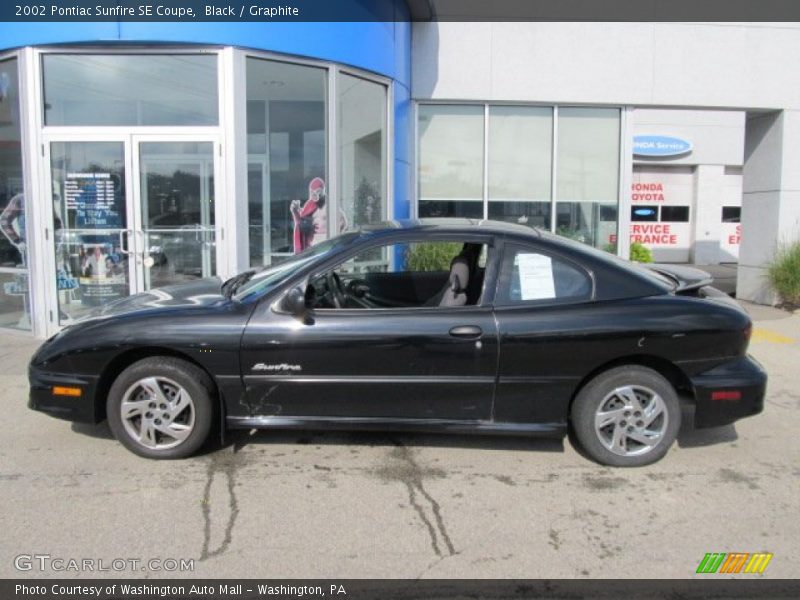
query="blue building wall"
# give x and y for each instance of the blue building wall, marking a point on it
(383, 47)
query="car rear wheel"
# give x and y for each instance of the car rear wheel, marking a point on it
(626, 417)
(161, 407)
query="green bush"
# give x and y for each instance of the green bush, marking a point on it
(784, 273)
(638, 252)
(641, 253)
(431, 256)
(572, 234)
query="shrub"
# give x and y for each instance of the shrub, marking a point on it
(432, 256)
(641, 253)
(572, 234)
(784, 273)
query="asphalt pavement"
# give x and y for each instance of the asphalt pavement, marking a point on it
(357, 505)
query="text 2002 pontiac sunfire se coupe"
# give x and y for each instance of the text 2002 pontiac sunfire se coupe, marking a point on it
(448, 326)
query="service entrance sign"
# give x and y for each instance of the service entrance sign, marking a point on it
(662, 212)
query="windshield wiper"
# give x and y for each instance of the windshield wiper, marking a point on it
(231, 285)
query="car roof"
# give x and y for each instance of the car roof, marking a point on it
(451, 225)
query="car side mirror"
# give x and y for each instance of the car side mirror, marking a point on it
(295, 302)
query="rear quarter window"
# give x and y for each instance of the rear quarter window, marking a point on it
(530, 276)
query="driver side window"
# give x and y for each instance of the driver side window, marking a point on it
(404, 275)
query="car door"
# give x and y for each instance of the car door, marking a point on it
(549, 331)
(398, 362)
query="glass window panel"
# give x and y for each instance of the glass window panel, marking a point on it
(12, 204)
(532, 214)
(279, 152)
(258, 236)
(520, 152)
(529, 276)
(88, 203)
(362, 151)
(177, 187)
(591, 223)
(587, 173)
(608, 212)
(675, 214)
(287, 173)
(450, 209)
(520, 164)
(450, 152)
(126, 89)
(14, 297)
(405, 275)
(15, 309)
(731, 214)
(588, 154)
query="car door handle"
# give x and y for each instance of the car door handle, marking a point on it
(466, 331)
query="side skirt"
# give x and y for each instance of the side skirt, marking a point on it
(555, 430)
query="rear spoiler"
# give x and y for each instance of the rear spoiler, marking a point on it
(686, 278)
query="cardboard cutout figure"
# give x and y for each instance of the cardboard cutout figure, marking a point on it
(310, 219)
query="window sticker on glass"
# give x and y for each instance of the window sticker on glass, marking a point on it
(535, 276)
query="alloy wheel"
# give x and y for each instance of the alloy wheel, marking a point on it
(157, 413)
(631, 420)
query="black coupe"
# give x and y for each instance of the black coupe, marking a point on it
(447, 326)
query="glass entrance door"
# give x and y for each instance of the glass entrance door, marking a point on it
(176, 211)
(130, 213)
(91, 234)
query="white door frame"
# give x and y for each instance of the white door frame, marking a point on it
(50, 263)
(133, 214)
(219, 187)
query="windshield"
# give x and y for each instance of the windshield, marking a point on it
(266, 279)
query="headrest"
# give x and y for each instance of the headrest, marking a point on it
(459, 274)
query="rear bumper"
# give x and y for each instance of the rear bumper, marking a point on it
(81, 408)
(743, 375)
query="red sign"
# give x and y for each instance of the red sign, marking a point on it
(647, 192)
(736, 238)
(653, 233)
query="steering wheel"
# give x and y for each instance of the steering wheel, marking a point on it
(334, 285)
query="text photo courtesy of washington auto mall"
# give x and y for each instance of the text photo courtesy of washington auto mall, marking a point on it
(399, 299)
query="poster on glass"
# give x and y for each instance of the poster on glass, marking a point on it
(101, 264)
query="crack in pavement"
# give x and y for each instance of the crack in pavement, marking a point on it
(227, 467)
(412, 475)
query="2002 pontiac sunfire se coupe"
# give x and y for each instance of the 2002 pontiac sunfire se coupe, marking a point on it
(449, 326)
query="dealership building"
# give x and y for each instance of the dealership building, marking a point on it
(136, 155)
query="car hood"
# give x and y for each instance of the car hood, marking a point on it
(686, 278)
(201, 292)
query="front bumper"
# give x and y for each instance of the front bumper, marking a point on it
(81, 408)
(743, 375)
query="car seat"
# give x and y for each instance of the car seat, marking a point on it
(455, 291)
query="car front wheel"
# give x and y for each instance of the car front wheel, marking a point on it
(626, 417)
(161, 407)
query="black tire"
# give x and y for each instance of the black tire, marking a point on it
(191, 378)
(596, 393)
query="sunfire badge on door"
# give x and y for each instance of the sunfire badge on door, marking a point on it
(277, 367)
